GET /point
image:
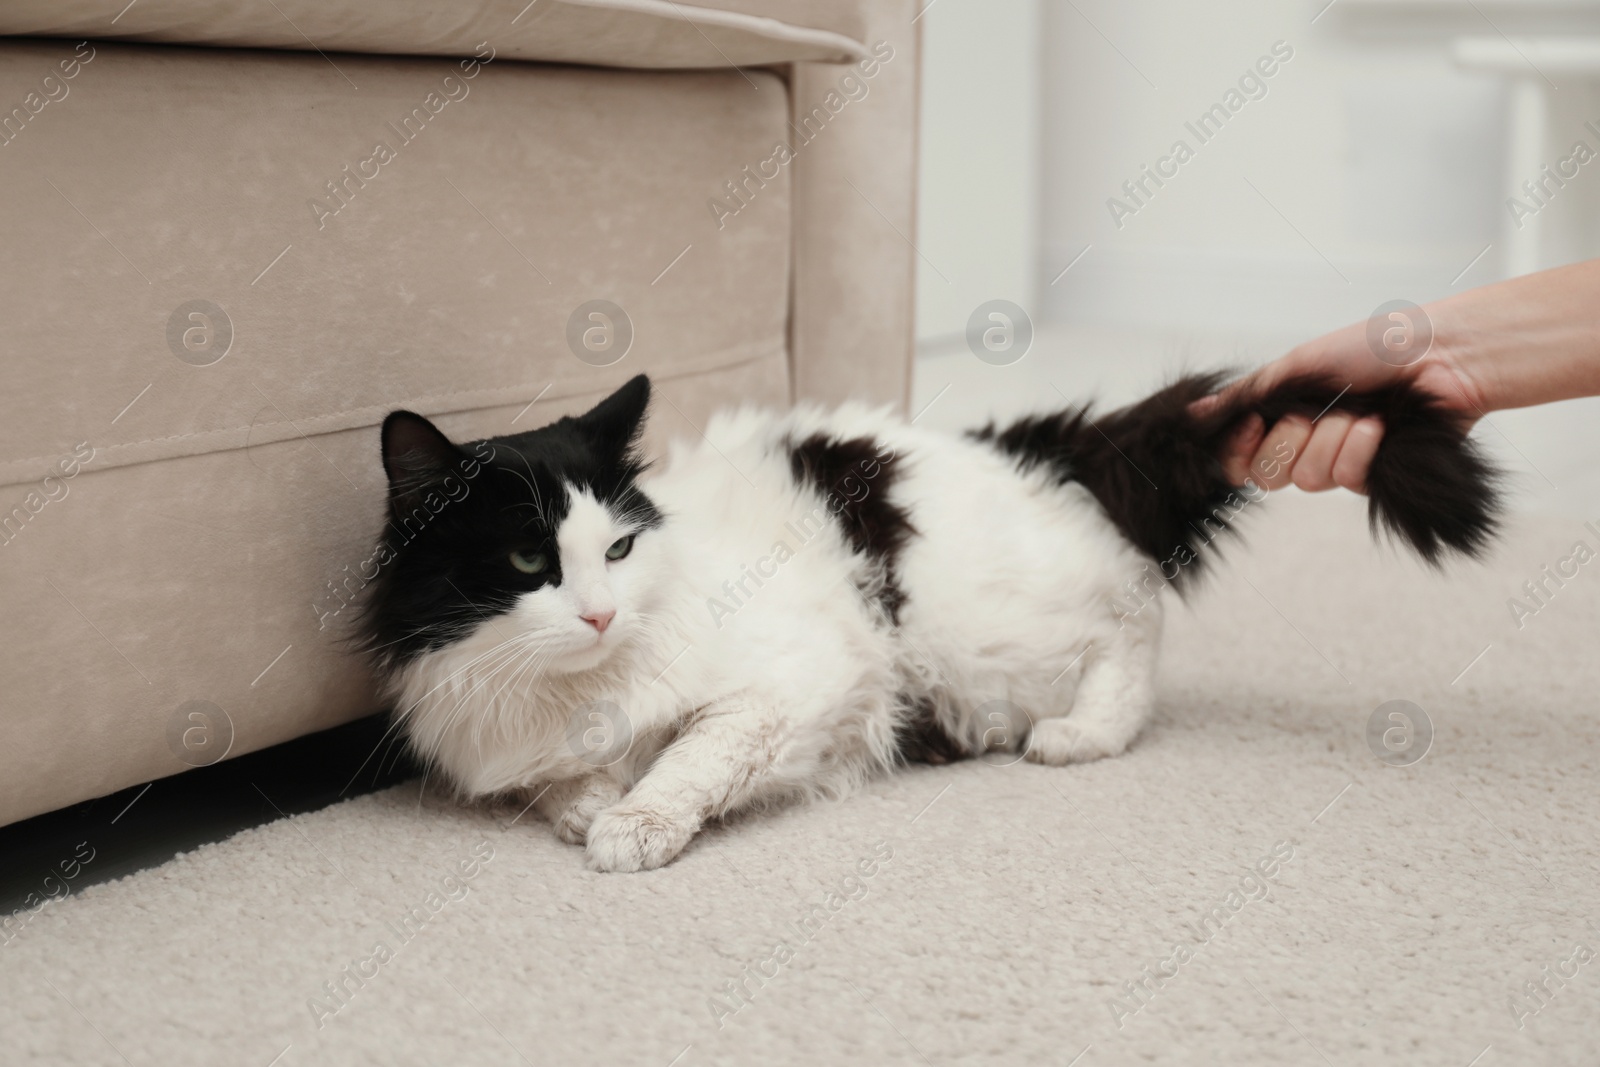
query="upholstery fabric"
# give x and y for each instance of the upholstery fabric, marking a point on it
(442, 281)
(855, 226)
(620, 33)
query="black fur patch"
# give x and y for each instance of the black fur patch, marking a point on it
(854, 476)
(1154, 467)
(920, 738)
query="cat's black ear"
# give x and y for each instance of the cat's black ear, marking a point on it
(618, 420)
(415, 453)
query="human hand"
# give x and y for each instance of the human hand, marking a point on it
(1335, 448)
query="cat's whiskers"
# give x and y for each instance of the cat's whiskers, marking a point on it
(508, 654)
(508, 706)
(495, 706)
(538, 501)
(446, 618)
(636, 514)
(431, 624)
(454, 675)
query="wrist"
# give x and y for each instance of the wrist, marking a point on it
(1474, 367)
(1530, 340)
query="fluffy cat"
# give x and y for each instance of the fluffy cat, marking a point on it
(804, 599)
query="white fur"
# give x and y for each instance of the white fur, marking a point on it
(731, 701)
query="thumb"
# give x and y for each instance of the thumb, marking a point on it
(1208, 405)
(1257, 383)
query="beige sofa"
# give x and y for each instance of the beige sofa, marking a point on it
(238, 235)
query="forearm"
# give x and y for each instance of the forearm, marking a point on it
(1529, 340)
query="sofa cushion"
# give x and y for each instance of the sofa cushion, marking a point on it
(177, 198)
(618, 33)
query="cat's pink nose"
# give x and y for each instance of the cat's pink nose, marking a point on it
(599, 619)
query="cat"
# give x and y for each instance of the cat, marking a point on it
(800, 600)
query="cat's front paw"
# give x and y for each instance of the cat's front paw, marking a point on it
(636, 838)
(598, 794)
(1058, 742)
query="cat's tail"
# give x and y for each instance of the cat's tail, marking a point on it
(1155, 467)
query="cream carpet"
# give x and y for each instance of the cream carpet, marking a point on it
(966, 914)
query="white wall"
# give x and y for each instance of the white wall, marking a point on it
(1377, 165)
(1374, 167)
(978, 204)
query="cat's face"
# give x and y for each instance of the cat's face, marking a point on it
(540, 540)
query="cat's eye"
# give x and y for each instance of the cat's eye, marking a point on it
(530, 562)
(620, 547)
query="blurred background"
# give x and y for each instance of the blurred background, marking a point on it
(1383, 158)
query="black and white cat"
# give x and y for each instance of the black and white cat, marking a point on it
(801, 600)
